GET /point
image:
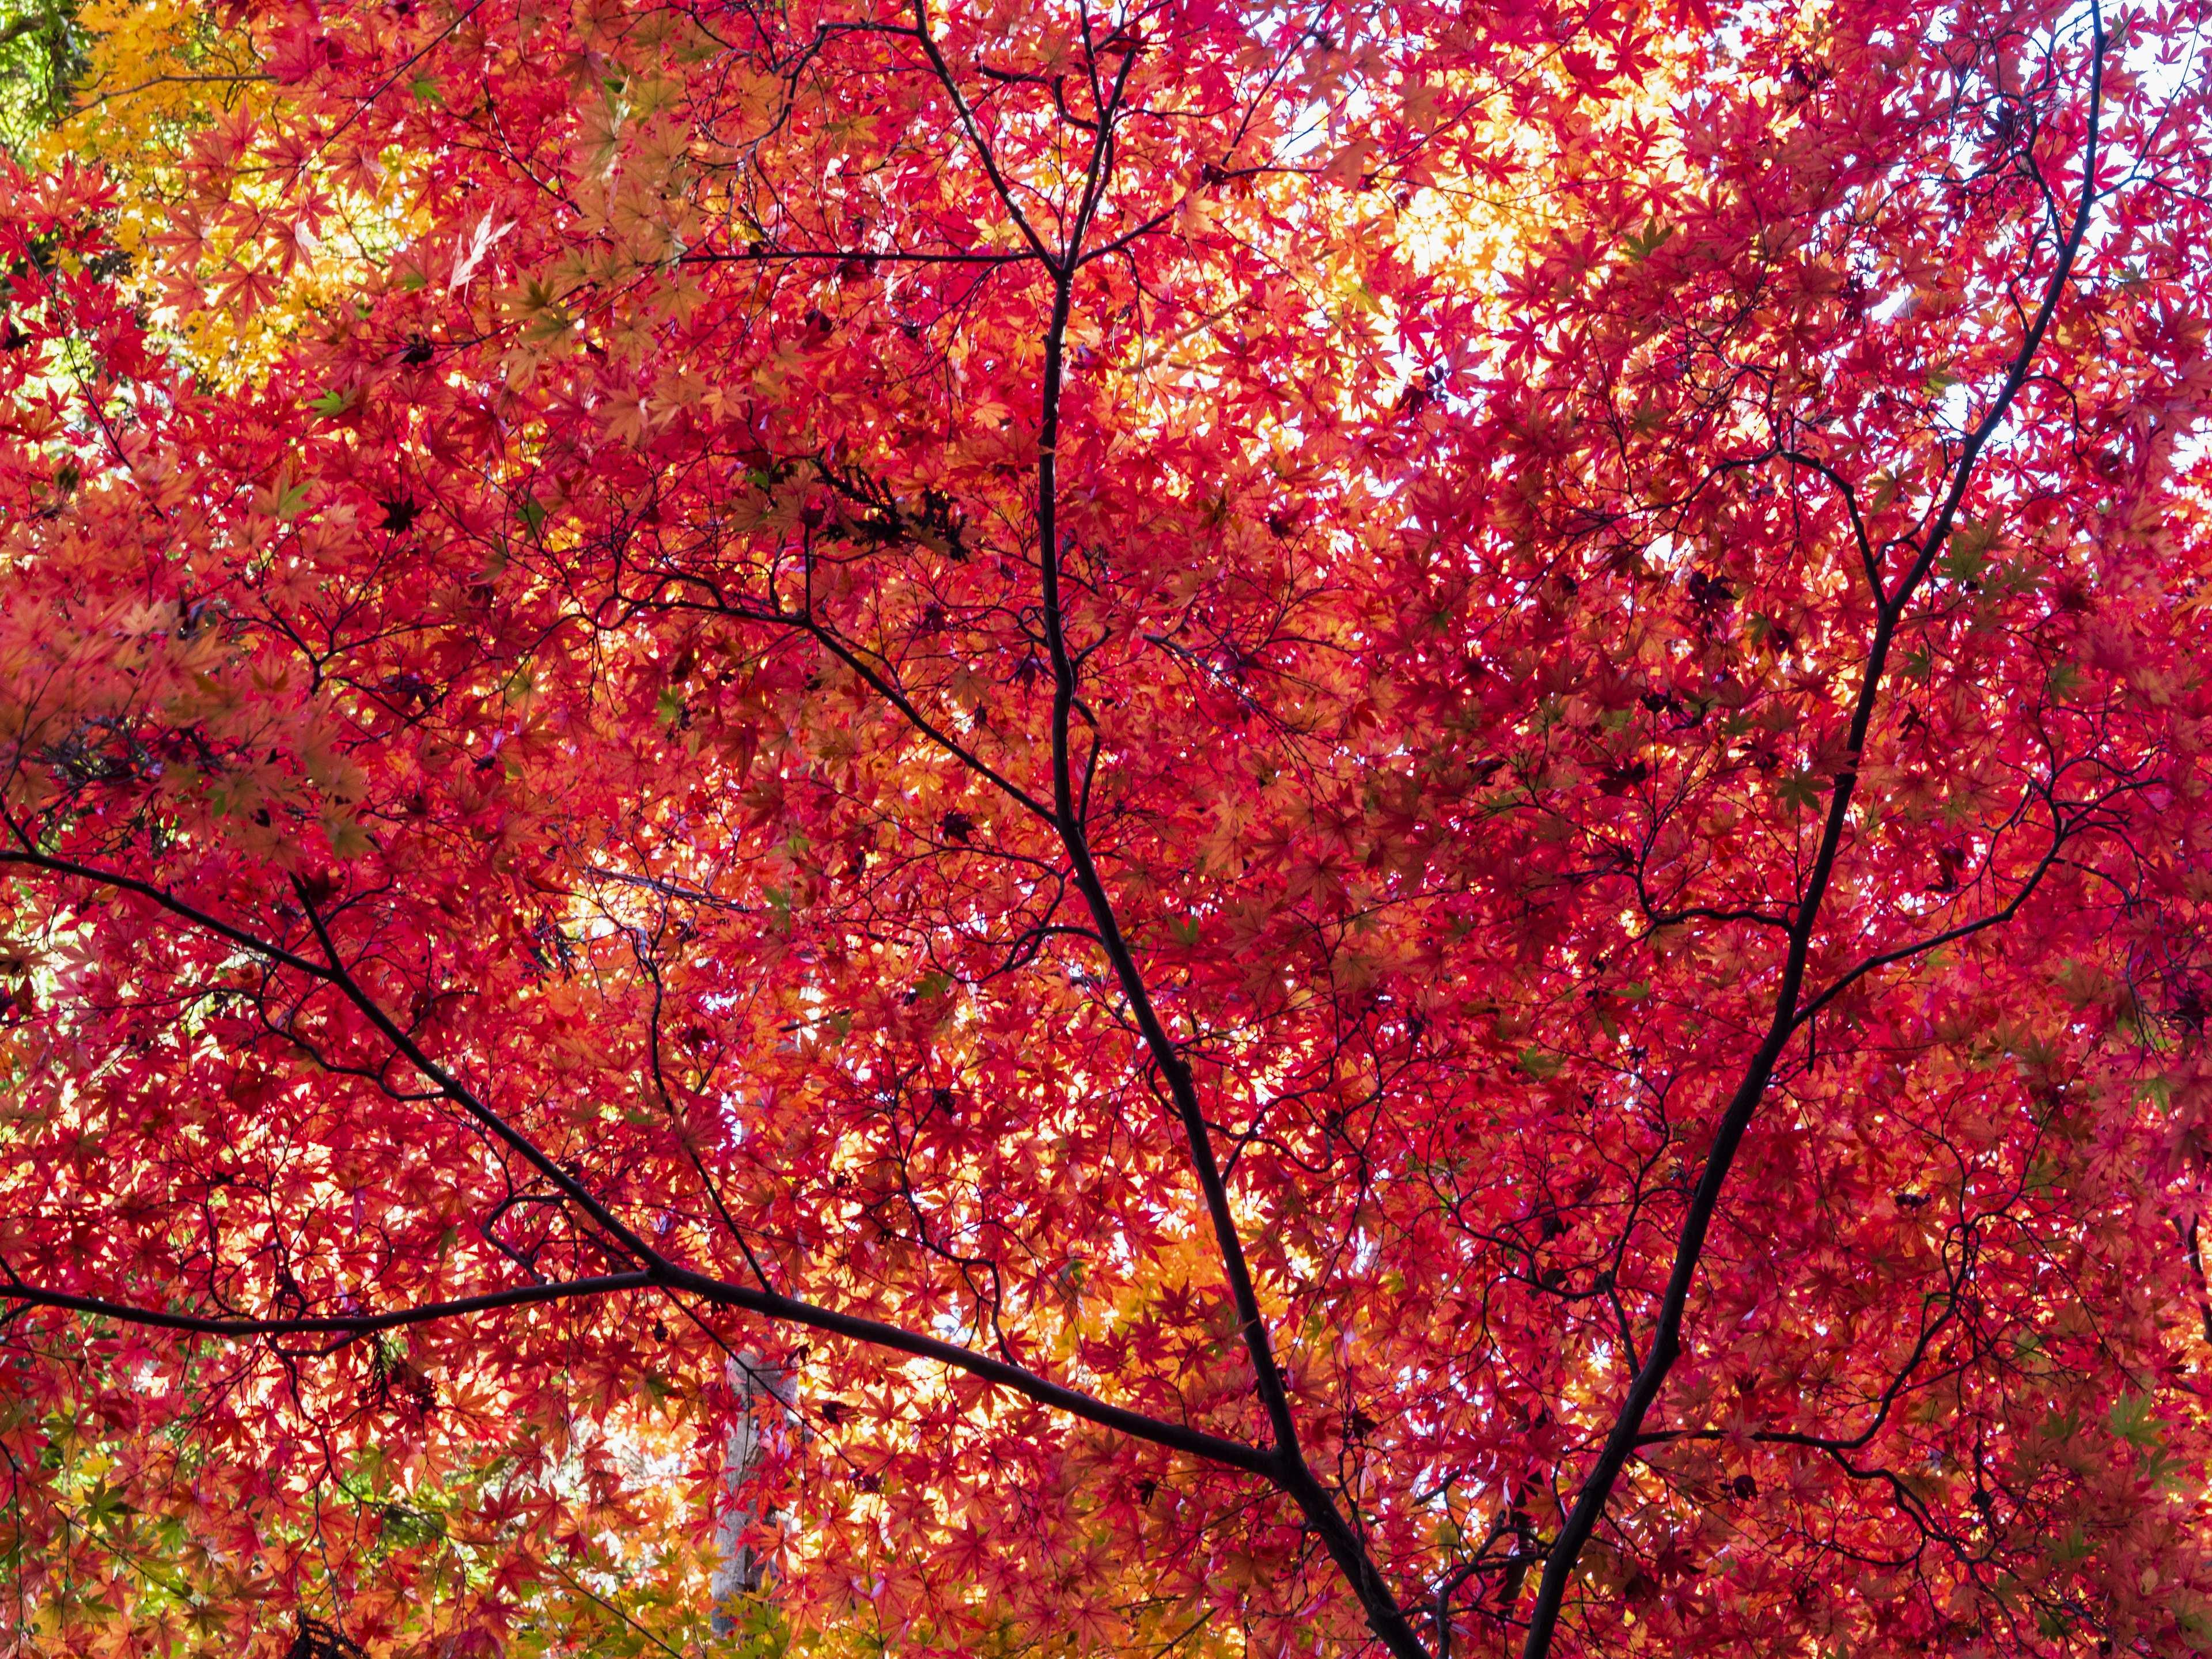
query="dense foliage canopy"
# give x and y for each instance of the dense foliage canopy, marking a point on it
(1290, 830)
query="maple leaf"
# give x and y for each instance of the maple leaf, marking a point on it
(1002, 872)
(478, 244)
(246, 289)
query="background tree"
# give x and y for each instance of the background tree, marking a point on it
(40, 56)
(1379, 827)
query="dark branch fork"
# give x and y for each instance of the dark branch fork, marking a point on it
(655, 1270)
(1789, 1012)
(1284, 1464)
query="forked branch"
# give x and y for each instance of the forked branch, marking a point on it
(1889, 609)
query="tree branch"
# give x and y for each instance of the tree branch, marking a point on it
(1666, 1345)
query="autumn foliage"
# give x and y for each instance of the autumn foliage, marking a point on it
(1382, 828)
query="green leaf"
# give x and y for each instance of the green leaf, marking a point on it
(1648, 241)
(2069, 1547)
(334, 402)
(2131, 1420)
(1800, 790)
(1540, 1065)
(347, 838)
(1968, 554)
(2164, 1470)
(531, 512)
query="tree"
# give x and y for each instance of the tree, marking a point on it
(38, 54)
(1370, 828)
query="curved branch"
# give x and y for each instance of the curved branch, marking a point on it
(654, 1269)
(169, 902)
(1290, 1471)
(1689, 1249)
(31, 1296)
